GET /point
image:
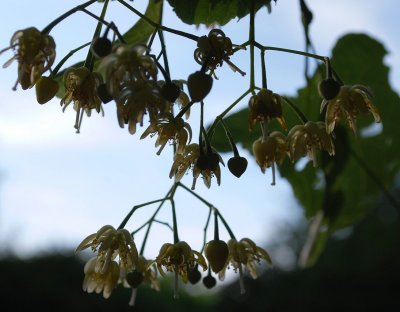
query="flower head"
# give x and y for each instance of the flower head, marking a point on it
(244, 253)
(179, 258)
(170, 129)
(35, 53)
(110, 243)
(80, 88)
(215, 48)
(264, 106)
(127, 63)
(100, 282)
(305, 139)
(269, 150)
(350, 102)
(137, 99)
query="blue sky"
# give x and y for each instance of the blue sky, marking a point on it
(57, 187)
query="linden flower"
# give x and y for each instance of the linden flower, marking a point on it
(145, 272)
(215, 48)
(127, 64)
(305, 139)
(35, 53)
(80, 88)
(98, 282)
(270, 150)
(350, 102)
(110, 243)
(244, 253)
(170, 129)
(264, 106)
(179, 258)
(183, 162)
(135, 101)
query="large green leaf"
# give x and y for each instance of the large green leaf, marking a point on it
(344, 187)
(210, 12)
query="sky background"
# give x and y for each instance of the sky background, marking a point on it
(57, 187)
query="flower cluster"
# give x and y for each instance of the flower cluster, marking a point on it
(35, 53)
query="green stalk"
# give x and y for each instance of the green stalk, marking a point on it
(298, 112)
(65, 58)
(174, 222)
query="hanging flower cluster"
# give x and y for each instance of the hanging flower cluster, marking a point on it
(129, 73)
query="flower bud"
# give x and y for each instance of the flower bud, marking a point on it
(101, 47)
(134, 278)
(46, 89)
(217, 253)
(199, 85)
(329, 88)
(170, 91)
(209, 281)
(237, 165)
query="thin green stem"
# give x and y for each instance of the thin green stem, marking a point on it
(184, 110)
(164, 53)
(230, 139)
(269, 48)
(134, 208)
(49, 27)
(264, 70)
(158, 26)
(226, 111)
(89, 62)
(65, 58)
(216, 230)
(252, 42)
(174, 222)
(205, 229)
(225, 224)
(208, 204)
(298, 112)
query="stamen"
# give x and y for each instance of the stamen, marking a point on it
(241, 281)
(273, 173)
(133, 297)
(176, 284)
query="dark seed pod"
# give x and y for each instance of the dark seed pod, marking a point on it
(329, 88)
(194, 276)
(103, 94)
(237, 165)
(134, 278)
(199, 85)
(46, 89)
(101, 47)
(170, 91)
(209, 281)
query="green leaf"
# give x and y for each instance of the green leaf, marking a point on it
(347, 186)
(138, 33)
(210, 12)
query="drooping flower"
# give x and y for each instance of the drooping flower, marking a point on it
(137, 99)
(244, 254)
(98, 282)
(144, 273)
(35, 53)
(183, 162)
(264, 106)
(349, 103)
(215, 48)
(127, 64)
(170, 129)
(180, 259)
(110, 243)
(306, 139)
(80, 88)
(270, 150)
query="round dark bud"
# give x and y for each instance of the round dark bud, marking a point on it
(170, 91)
(101, 47)
(237, 165)
(199, 85)
(194, 276)
(329, 88)
(103, 94)
(209, 281)
(134, 278)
